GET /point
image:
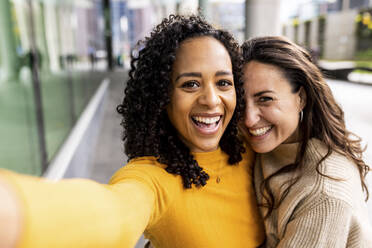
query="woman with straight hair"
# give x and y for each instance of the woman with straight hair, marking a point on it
(309, 173)
(188, 182)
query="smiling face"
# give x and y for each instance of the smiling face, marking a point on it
(272, 111)
(203, 96)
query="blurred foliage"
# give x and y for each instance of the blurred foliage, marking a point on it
(364, 34)
(364, 55)
(295, 22)
(321, 34)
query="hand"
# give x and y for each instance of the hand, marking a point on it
(10, 218)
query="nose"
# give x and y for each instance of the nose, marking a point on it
(251, 115)
(210, 97)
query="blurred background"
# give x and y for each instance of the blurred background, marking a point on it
(63, 67)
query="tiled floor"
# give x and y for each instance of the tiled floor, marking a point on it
(109, 155)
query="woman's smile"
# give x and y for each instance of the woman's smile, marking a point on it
(207, 124)
(261, 131)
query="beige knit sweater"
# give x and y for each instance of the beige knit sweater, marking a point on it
(318, 211)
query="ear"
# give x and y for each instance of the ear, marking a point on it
(303, 97)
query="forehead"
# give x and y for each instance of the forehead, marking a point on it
(259, 76)
(202, 53)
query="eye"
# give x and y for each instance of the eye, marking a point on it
(265, 99)
(224, 83)
(190, 85)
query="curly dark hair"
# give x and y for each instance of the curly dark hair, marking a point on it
(147, 129)
(323, 118)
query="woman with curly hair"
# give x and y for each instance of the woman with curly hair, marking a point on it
(309, 173)
(188, 182)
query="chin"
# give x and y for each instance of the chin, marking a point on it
(208, 148)
(262, 149)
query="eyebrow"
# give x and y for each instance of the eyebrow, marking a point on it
(223, 73)
(263, 92)
(198, 74)
(189, 74)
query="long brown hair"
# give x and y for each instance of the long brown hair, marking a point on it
(322, 116)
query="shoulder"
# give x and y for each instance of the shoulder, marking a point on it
(332, 187)
(141, 167)
(339, 176)
(147, 170)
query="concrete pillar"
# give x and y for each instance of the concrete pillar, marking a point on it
(340, 43)
(262, 17)
(178, 5)
(314, 34)
(301, 34)
(52, 32)
(203, 7)
(290, 32)
(9, 57)
(345, 5)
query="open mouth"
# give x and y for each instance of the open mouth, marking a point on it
(260, 131)
(207, 124)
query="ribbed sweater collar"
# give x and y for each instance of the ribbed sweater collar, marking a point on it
(281, 156)
(210, 159)
(285, 154)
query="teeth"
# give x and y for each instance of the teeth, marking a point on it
(207, 120)
(259, 131)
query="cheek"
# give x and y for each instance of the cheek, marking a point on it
(180, 107)
(287, 118)
(273, 114)
(177, 111)
(279, 116)
(229, 100)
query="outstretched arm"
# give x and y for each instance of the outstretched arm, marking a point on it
(74, 213)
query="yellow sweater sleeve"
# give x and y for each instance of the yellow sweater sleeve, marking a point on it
(81, 213)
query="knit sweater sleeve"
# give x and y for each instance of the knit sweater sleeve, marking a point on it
(81, 213)
(324, 223)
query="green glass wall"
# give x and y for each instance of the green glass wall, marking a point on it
(52, 45)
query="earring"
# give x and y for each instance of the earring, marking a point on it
(301, 116)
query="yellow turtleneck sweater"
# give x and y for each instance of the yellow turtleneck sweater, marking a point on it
(142, 197)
